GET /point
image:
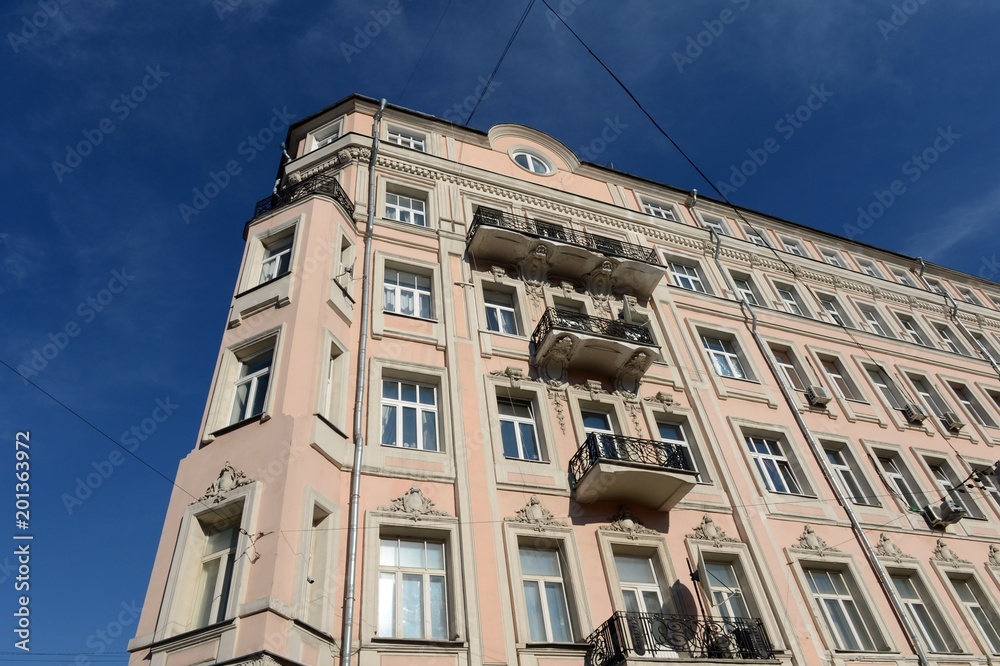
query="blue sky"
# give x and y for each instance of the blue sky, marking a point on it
(124, 301)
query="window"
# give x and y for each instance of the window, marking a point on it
(531, 162)
(833, 258)
(773, 466)
(869, 268)
(409, 415)
(687, 277)
(978, 606)
(755, 237)
(250, 394)
(277, 259)
(723, 588)
(406, 209)
(913, 330)
(319, 567)
(327, 134)
(412, 595)
(790, 299)
(991, 353)
(976, 410)
(968, 296)
(788, 368)
(848, 477)
(545, 595)
(923, 613)
(899, 480)
(407, 293)
(639, 583)
(844, 618)
(745, 289)
(838, 376)
(665, 211)
(406, 139)
(988, 483)
(794, 247)
(724, 358)
(903, 277)
(996, 301)
(501, 317)
(930, 395)
(715, 223)
(949, 339)
(935, 286)
(886, 387)
(216, 572)
(673, 434)
(517, 429)
(952, 488)
(832, 308)
(875, 322)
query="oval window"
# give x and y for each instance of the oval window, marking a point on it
(532, 162)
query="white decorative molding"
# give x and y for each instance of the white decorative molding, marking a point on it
(942, 553)
(993, 559)
(626, 523)
(536, 515)
(886, 548)
(809, 540)
(413, 504)
(512, 373)
(229, 479)
(557, 393)
(707, 530)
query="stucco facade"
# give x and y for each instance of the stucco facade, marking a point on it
(576, 440)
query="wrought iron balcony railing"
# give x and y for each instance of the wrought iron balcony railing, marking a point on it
(525, 225)
(652, 635)
(319, 184)
(574, 321)
(602, 446)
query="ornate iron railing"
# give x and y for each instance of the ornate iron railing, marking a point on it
(525, 225)
(318, 184)
(574, 321)
(601, 446)
(652, 635)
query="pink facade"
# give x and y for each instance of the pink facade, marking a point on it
(565, 414)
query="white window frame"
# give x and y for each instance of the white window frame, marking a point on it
(277, 259)
(788, 364)
(790, 299)
(541, 582)
(794, 246)
(325, 135)
(756, 237)
(870, 269)
(971, 405)
(747, 290)
(844, 384)
(985, 347)
(931, 613)
(775, 469)
(253, 381)
(406, 208)
(714, 222)
(499, 309)
(887, 387)
(832, 308)
(394, 304)
(832, 257)
(850, 479)
(913, 329)
(687, 276)
(518, 422)
(406, 138)
(948, 339)
(951, 488)
(930, 395)
(420, 409)
(688, 451)
(968, 296)
(532, 162)
(874, 321)
(935, 287)
(661, 210)
(726, 360)
(845, 601)
(399, 572)
(903, 277)
(986, 622)
(898, 477)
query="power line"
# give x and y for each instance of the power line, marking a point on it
(489, 81)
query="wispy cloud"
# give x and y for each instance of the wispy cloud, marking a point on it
(966, 221)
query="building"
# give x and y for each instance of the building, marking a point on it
(601, 419)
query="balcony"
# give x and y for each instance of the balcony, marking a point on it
(324, 185)
(514, 239)
(566, 340)
(631, 470)
(673, 637)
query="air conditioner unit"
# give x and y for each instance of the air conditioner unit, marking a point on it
(947, 513)
(952, 421)
(818, 396)
(914, 413)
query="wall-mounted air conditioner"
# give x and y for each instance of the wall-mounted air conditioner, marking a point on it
(818, 396)
(914, 413)
(947, 513)
(952, 421)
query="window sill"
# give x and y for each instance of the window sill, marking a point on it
(259, 418)
(408, 225)
(513, 336)
(263, 284)
(739, 379)
(396, 447)
(416, 317)
(557, 646)
(526, 460)
(332, 425)
(419, 642)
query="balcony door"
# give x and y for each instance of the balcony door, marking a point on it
(604, 429)
(640, 584)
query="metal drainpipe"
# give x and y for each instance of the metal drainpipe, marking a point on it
(870, 554)
(359, 438)
(953, 315)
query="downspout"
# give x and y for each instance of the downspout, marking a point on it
(870, 553)
(359, 438)
(953, 315)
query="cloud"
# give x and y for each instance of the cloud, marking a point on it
(969, 220)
